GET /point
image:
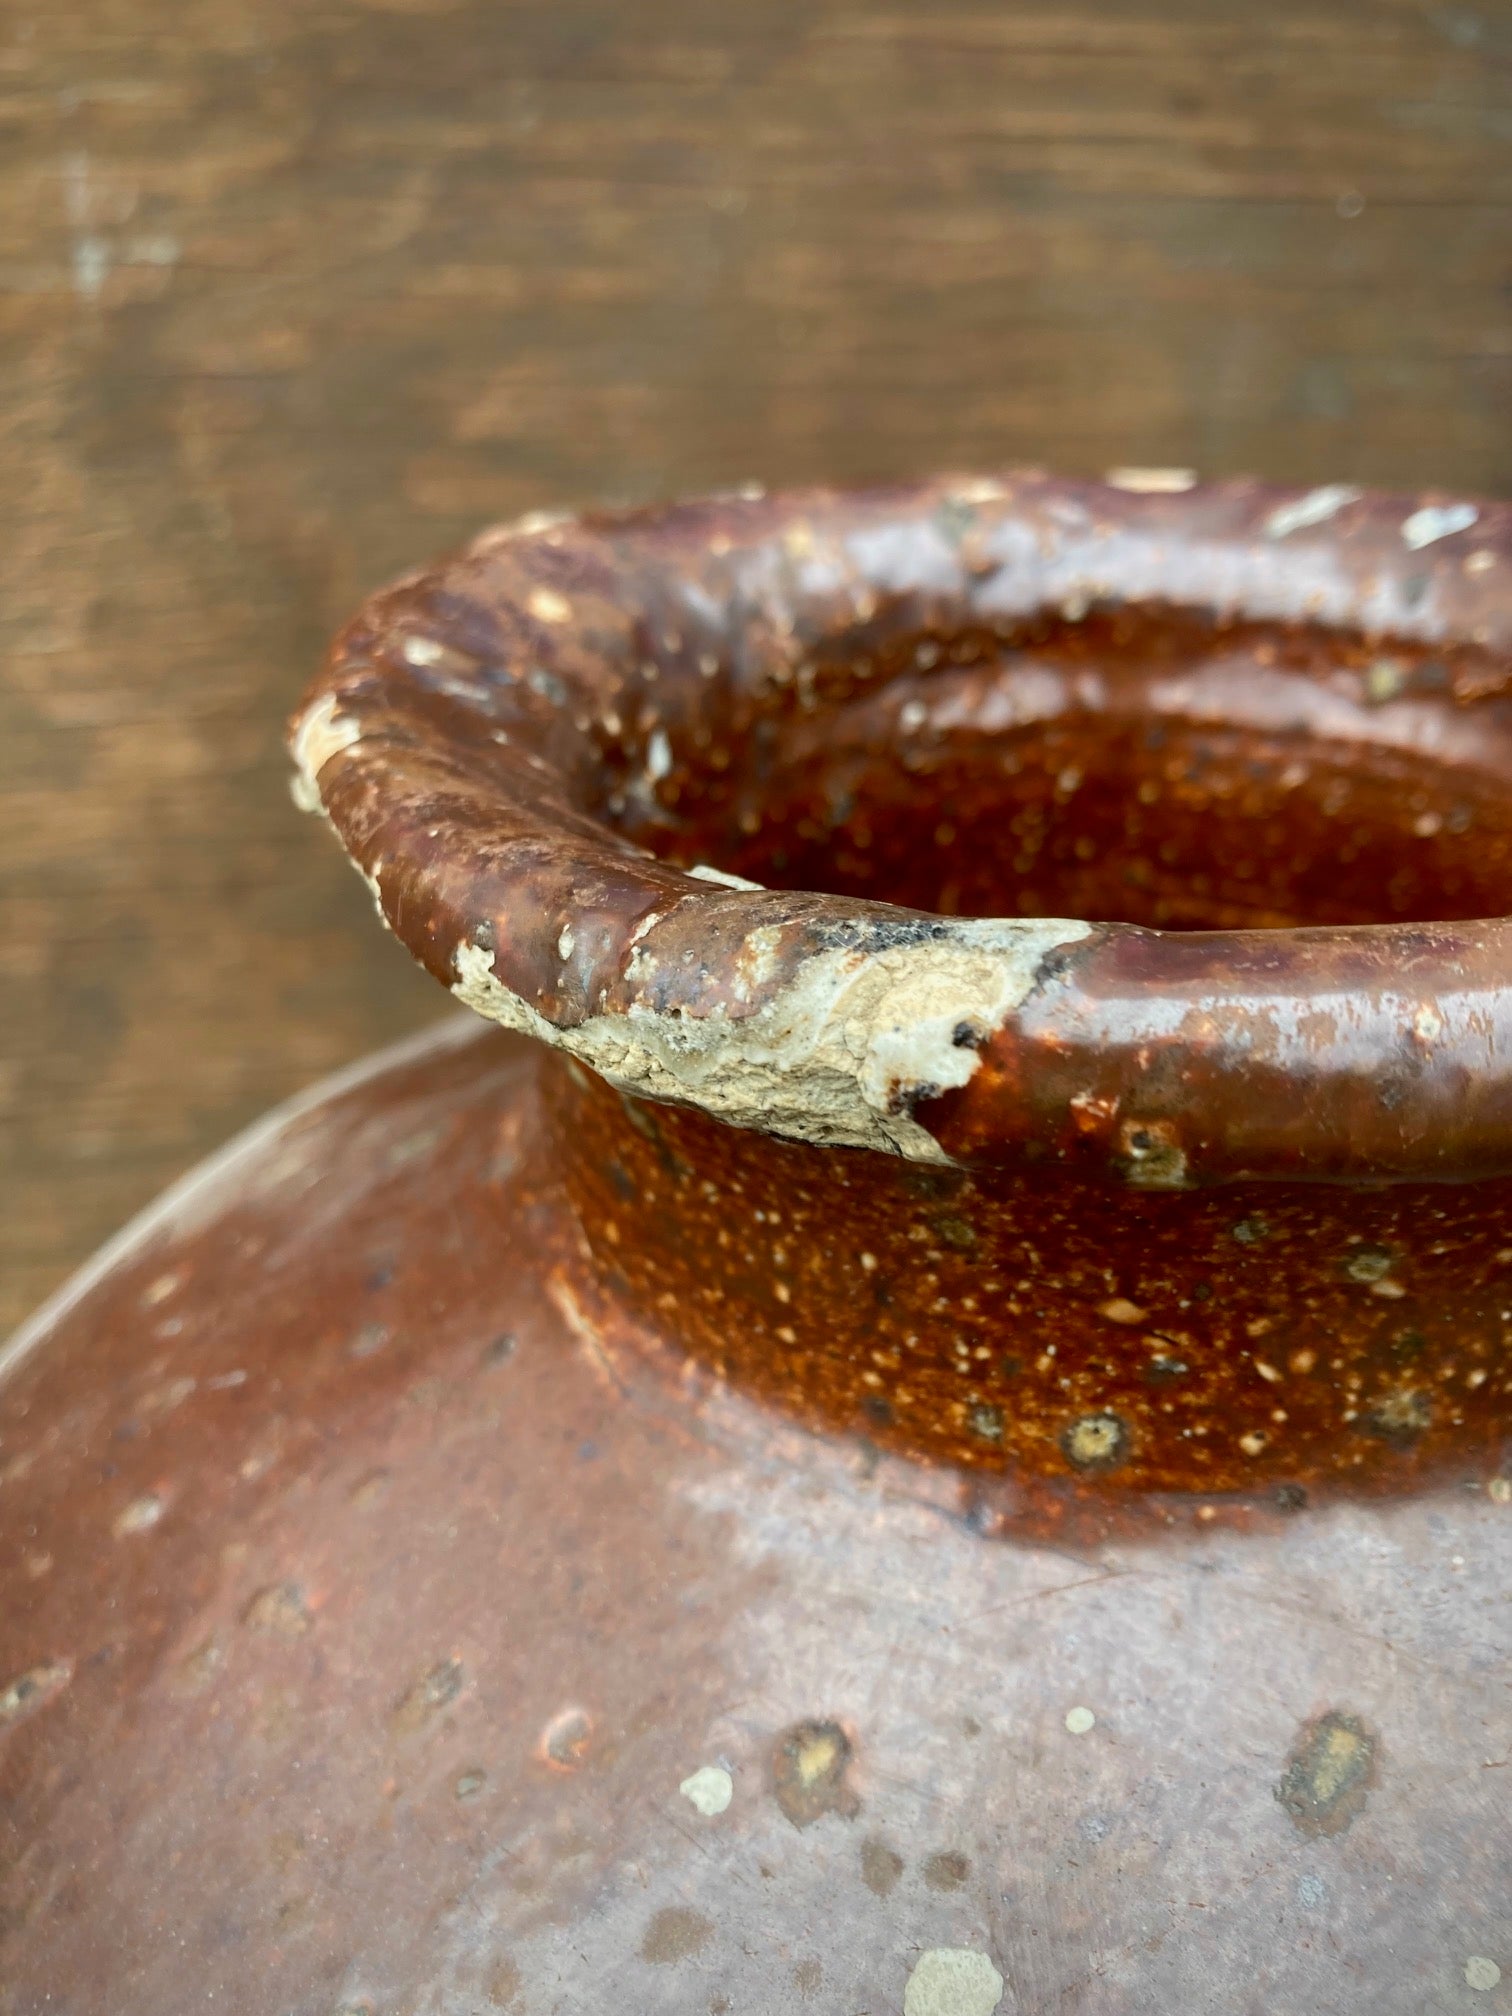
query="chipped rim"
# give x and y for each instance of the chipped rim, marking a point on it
(450, 742)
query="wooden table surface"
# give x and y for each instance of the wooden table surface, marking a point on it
(297, 292)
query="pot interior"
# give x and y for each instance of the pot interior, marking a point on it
(1133, 765)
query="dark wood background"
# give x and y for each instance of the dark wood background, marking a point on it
(297, 292)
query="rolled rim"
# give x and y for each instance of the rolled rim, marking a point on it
(474, 721)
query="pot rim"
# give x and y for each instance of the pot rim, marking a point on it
(456, 742)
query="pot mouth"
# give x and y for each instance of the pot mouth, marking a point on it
(1254, 741)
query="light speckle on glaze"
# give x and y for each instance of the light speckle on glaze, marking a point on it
(1481, 1973)
(710, 1790)
(1096, 1442)
(422, 651)
(703, 873)
(566, 1738)
(1384, 680)
(139, 1516)
(1437, 521)
(434, 1691)
(952, 1981)
(566, 942)
(281, 1610)
(1316, 508)
(323, 732)
(1079, 1720)
(1152, 482)
(834, 1056)
(979, 490)
(547, 606)
(658, 756)
(1119, 1309)
(529, 525)
(1499, 1490)
(31, 1690)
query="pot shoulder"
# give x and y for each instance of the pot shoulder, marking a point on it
(385, 1630)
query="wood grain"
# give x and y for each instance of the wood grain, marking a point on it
(295, 292)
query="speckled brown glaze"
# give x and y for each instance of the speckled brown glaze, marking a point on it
(394, 1622)
(1218, 708)
(1214, 1193)
(497, 1540)
(1229, 1341)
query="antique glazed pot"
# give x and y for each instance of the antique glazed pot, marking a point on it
(928, 1430)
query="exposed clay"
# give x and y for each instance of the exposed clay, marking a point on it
(952, 1981)
(839, 1055)
(708, 1790)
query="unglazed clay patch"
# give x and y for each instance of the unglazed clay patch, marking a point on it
(836, 1056)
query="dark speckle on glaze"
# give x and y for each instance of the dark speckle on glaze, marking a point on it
(881, 1867)
(1329, 1774)
(675, 1934)
(811, 1765)
(947, 1870)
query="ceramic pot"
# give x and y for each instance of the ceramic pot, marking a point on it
(885, 1449)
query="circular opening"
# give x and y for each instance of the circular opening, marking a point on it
(1130, 766)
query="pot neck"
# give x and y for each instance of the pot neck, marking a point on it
(1049, 1331)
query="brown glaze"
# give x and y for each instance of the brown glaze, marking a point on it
(1220, 709)
(1269, 1340)
(498, 1542)
(1139, 766)
(1277, 721)
(374, 1580)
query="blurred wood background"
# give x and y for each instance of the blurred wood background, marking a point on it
(297, 292)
